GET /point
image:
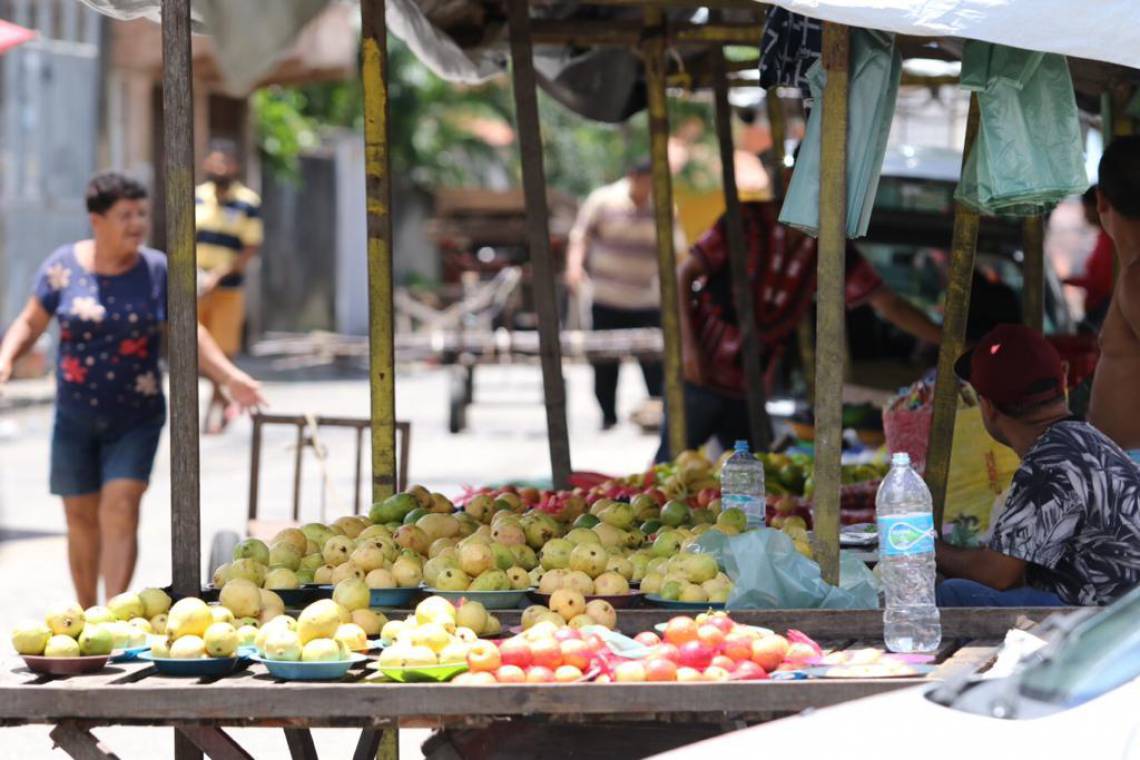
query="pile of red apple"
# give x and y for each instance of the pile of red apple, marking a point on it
(710, 647)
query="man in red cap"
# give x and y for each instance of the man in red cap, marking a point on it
(1070, 531)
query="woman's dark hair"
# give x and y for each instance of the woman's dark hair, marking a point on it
(1118, 180)
(106, 189)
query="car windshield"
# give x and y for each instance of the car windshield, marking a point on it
(1100, 654)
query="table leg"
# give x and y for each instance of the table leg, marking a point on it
(300, 742)
(215, 742)
(378, 744)
(77, 741)
(184, 749)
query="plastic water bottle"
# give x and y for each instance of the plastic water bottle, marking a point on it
(742, 485)
(906, 557)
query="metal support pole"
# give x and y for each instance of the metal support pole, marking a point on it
(538, 239)
(381, 345)
(653, 50)
(778, 128)
(758, 423)
(831, 338)
(962, 250)
(1033, 272)
(178, 146)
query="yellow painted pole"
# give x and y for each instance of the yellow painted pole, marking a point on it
(381, 345)
(957, 308)
(538, 239)
(831, 333)
(653, 50)
(1033, 272)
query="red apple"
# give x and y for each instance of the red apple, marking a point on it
(713, 673)
(658, 496)
(483, 656)
(647, 638)
(577, 653)
(482, 678)
(749, 671)
(660, 669)
(689, 675)
(706, 495)
(604, 678)
(695, 654)
(594, 642)
(680, 629)
(738, 646)
(668, 652)
(515, 651)
(629, 671)
(711, 636)
(510, 674)
(721, 661)
(723, 622)
(768, 652)
(539, 674)
(566, 633)
(567, 674)
(546, 652)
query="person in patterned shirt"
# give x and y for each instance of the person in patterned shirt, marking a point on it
(1070, 530)
(109, 296)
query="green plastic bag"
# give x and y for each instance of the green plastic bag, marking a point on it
(768, 573)
(1029, 154)
(876, 69)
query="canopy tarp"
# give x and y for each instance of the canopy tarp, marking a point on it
(1099, 30)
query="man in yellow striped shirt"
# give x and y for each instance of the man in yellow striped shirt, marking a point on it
(229, 233)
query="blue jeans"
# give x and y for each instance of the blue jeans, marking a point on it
(959, 592)
(709, 414)
(87, 451)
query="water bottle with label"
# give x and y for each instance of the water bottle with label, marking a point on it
(906, 560)
(742, 485)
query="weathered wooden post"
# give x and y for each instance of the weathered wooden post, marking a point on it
(381, 342)
(758, 423)
(1033, 272)
(653, 53)
(831, 332)
(965, 242)
(538, 239)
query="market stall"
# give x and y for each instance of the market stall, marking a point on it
(132, 693)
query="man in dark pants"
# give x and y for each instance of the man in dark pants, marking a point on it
(781, 269)
(613, 246)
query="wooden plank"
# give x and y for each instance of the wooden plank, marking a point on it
(538, 238)
(77, 741)
(963, 247)
(300, 742)
(178, 147)
(653, 55)
(970, 657)
(382, 352)
(1033, 270)
(214, 742)
(759, 425)
(831, 338)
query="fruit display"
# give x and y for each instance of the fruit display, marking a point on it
(125, 622)
(570, 608)
(436, 633)
(323, 632)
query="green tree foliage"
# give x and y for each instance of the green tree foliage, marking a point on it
(433, 141)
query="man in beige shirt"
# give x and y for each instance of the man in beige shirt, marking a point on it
(1113, 406)
(613, 245)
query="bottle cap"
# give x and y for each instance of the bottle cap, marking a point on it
(900, 459)
(741, 446)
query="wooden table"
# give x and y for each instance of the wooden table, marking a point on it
(134, 694)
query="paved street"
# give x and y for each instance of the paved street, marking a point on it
(505, 439)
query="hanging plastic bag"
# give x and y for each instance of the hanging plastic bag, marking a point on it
(768, 573)
(876, 69)
(1029, 154)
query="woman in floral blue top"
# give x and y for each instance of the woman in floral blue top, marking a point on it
(109, 296)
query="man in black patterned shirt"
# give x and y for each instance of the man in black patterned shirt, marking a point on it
(1070, 530)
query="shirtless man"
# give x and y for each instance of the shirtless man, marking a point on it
(1113, 406)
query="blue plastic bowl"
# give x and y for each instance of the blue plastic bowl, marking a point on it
(492, 600)
(128, 654)
(202, 667)
(309, 671)
(657, 601)
(298, 597)
(399, 598)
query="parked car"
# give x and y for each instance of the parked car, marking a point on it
(1076, 697)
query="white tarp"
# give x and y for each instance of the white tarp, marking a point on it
(1101, 30)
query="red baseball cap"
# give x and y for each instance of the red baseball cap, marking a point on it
(1013, 365)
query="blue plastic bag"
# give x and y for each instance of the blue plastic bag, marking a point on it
(1029, 153)
(768, 573)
